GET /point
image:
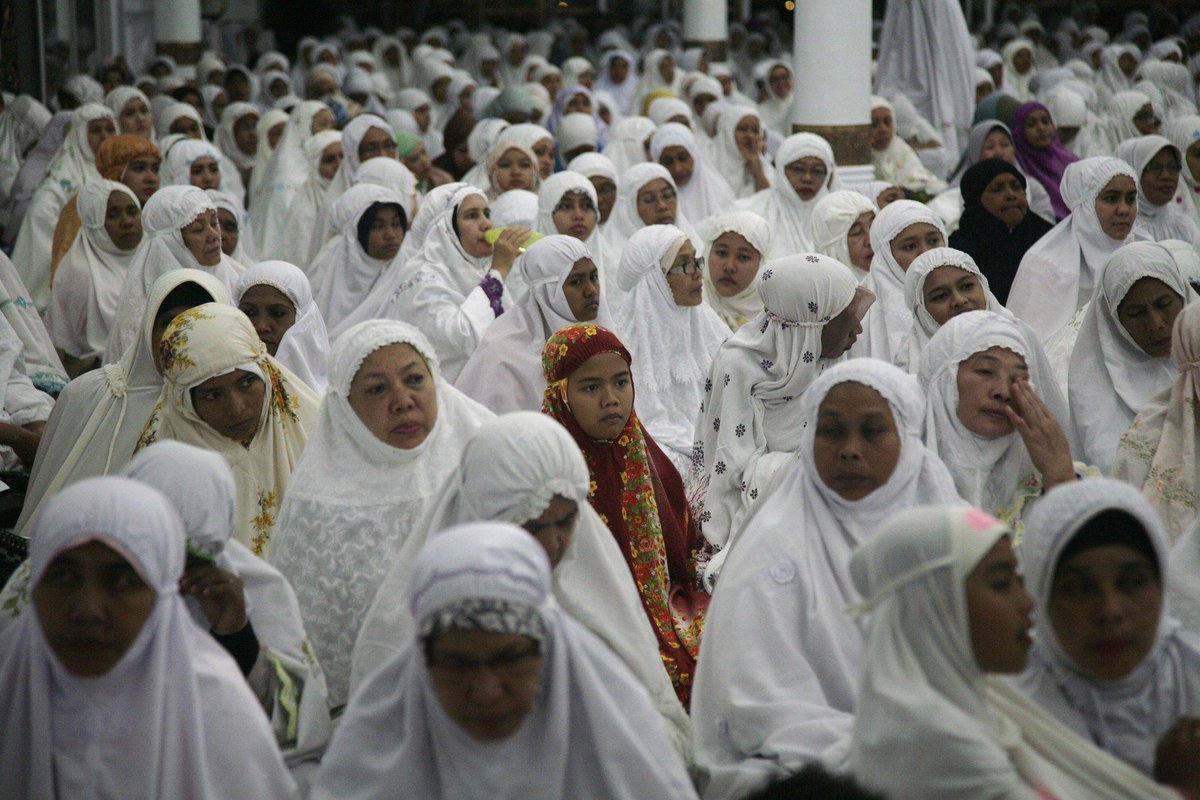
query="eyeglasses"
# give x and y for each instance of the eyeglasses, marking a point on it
(1159, 169)
(649, 199)
(690, 267)
(506, 663)
(805, 172)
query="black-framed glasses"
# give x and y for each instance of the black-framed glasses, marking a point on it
(690, 267)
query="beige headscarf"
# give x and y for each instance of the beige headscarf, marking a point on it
(215, 339)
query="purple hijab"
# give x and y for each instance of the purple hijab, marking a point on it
(1046, 165)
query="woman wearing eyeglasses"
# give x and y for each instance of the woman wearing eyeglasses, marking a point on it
(1162, 212)
(671, 333)
(804, 173)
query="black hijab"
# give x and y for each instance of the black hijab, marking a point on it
(996, 248)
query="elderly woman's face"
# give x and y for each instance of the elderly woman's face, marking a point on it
(394, 396)
(231, 404)
(91, 604)
(202, 237)
(1147, 312)
(985, 390)
(857, 444)
(486, 682)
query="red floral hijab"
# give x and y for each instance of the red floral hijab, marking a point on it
(638, 493)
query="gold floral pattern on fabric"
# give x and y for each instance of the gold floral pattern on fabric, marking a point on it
(282, 402)
(173, 349)
(264, 520)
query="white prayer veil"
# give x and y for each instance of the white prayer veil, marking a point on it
(1129, 715)
(922, 691)
(668, 371)
(832, 218)
(739, 308)
(592, 732)
(173, 717)
(510, 471)
(1111, 378)
(1057, 274)
(304, 348)
(354, 498)
(890, 318)
(505, 371)
(772, 696)
(789, 216)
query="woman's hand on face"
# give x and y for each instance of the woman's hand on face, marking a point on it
(220, 594)
(1177, 757)
(1043, 436)
(507, 248)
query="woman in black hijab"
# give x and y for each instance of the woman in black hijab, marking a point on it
(996, 226)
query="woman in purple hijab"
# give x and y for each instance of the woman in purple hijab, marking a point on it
(1039, 151)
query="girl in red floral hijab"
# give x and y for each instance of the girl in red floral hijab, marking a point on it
(635, 488)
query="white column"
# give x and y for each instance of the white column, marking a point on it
(831, 59)
(706, 24)
(177, 31)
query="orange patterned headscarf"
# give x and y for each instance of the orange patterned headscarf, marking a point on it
(116, 152)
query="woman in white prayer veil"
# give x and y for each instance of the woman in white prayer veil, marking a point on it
(935, 296)
(901, 232)
(97, 418)
(391, 174)
(293, 214)
(568, 205)
(647, 196)
(164, 711)
(658, 72)
(1125, 700)
(1057, 275)
(740, 132)
(181, 231)
(303, 343)
(265, 153)
(524, 468)
(369, 475)
(772, 696)
(1019, 69)
(352, 158)
(1122, 358)
(975, 366)
(735, 248)
(895, 160)
(1158, 453)
(664, 290)
(1162, 208)
(948, 616)
(704, 191)
(485, 134)
(456, 286)
(179, 156)
(226, 137)
(804, 173)
(432, 205)
(371, 222)
(72, 167)
(1119, 123)
(776, 108)
(505, 371)
(288, 169)
(237, 240)
(627, 143)
(751, 419)
(579, 715)
(285, 678)
(836, 219)
(87, 286)
(21, 125)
